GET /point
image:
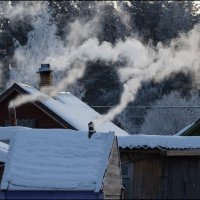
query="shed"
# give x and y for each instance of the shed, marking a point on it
(68, 166)
(160, 167)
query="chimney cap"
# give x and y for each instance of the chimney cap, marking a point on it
(45, 68)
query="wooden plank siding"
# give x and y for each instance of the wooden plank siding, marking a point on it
(112, 183)
(183, 178)
(147, 179)
(158, 176)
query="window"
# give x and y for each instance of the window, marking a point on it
(127, 178)
(23, 122)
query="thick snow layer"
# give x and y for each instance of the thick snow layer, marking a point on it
(6, 133)
(184, 129)
(56, 159)
(74, 111)
(159, 141)
(3, 151)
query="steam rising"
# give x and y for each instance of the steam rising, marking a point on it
(143, 62)
(22, 9)
(42, 43)
(182, 54)
(22, 99)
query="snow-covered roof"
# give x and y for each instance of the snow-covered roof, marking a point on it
(159, 141)
(3, 151)
(56, 159)
(6, 133)
(184, 129)
(74, 111)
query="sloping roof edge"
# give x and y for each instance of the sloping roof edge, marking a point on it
(17, 87)
(191, 129)
(108, 145)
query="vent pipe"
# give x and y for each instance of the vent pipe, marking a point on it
(46, 75)
(12, 116)
(91, 130)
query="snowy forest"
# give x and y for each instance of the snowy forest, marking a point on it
(142, 56)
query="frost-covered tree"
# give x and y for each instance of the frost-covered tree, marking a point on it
(171, 113)
(162, 20)
(132, 117)
(6, 44)
(77, 89)
(102, 86)
(175, 17)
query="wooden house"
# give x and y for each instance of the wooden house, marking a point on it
(68, 166)
(64, 110)
(160, 167)
(61, 111)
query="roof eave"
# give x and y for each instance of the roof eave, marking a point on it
(39, 104)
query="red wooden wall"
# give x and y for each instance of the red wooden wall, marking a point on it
(27, 111)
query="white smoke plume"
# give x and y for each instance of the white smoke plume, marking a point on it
(182, 55)
(75, 73)
(22, 99)
(81, 31)
(21, 9)
(144, 62)
(44, 46)
(42, 42)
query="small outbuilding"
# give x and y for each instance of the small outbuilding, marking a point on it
(62, 164)
(160, 167)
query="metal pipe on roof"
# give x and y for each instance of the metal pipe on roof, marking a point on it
(12, 115)
(91, 130)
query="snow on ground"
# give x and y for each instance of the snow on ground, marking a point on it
(56, 159)
(159, 141)
(74, 111)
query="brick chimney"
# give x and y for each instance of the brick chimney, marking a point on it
(12, 116)
(46, 75)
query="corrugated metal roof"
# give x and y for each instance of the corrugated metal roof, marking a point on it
(159, 141)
